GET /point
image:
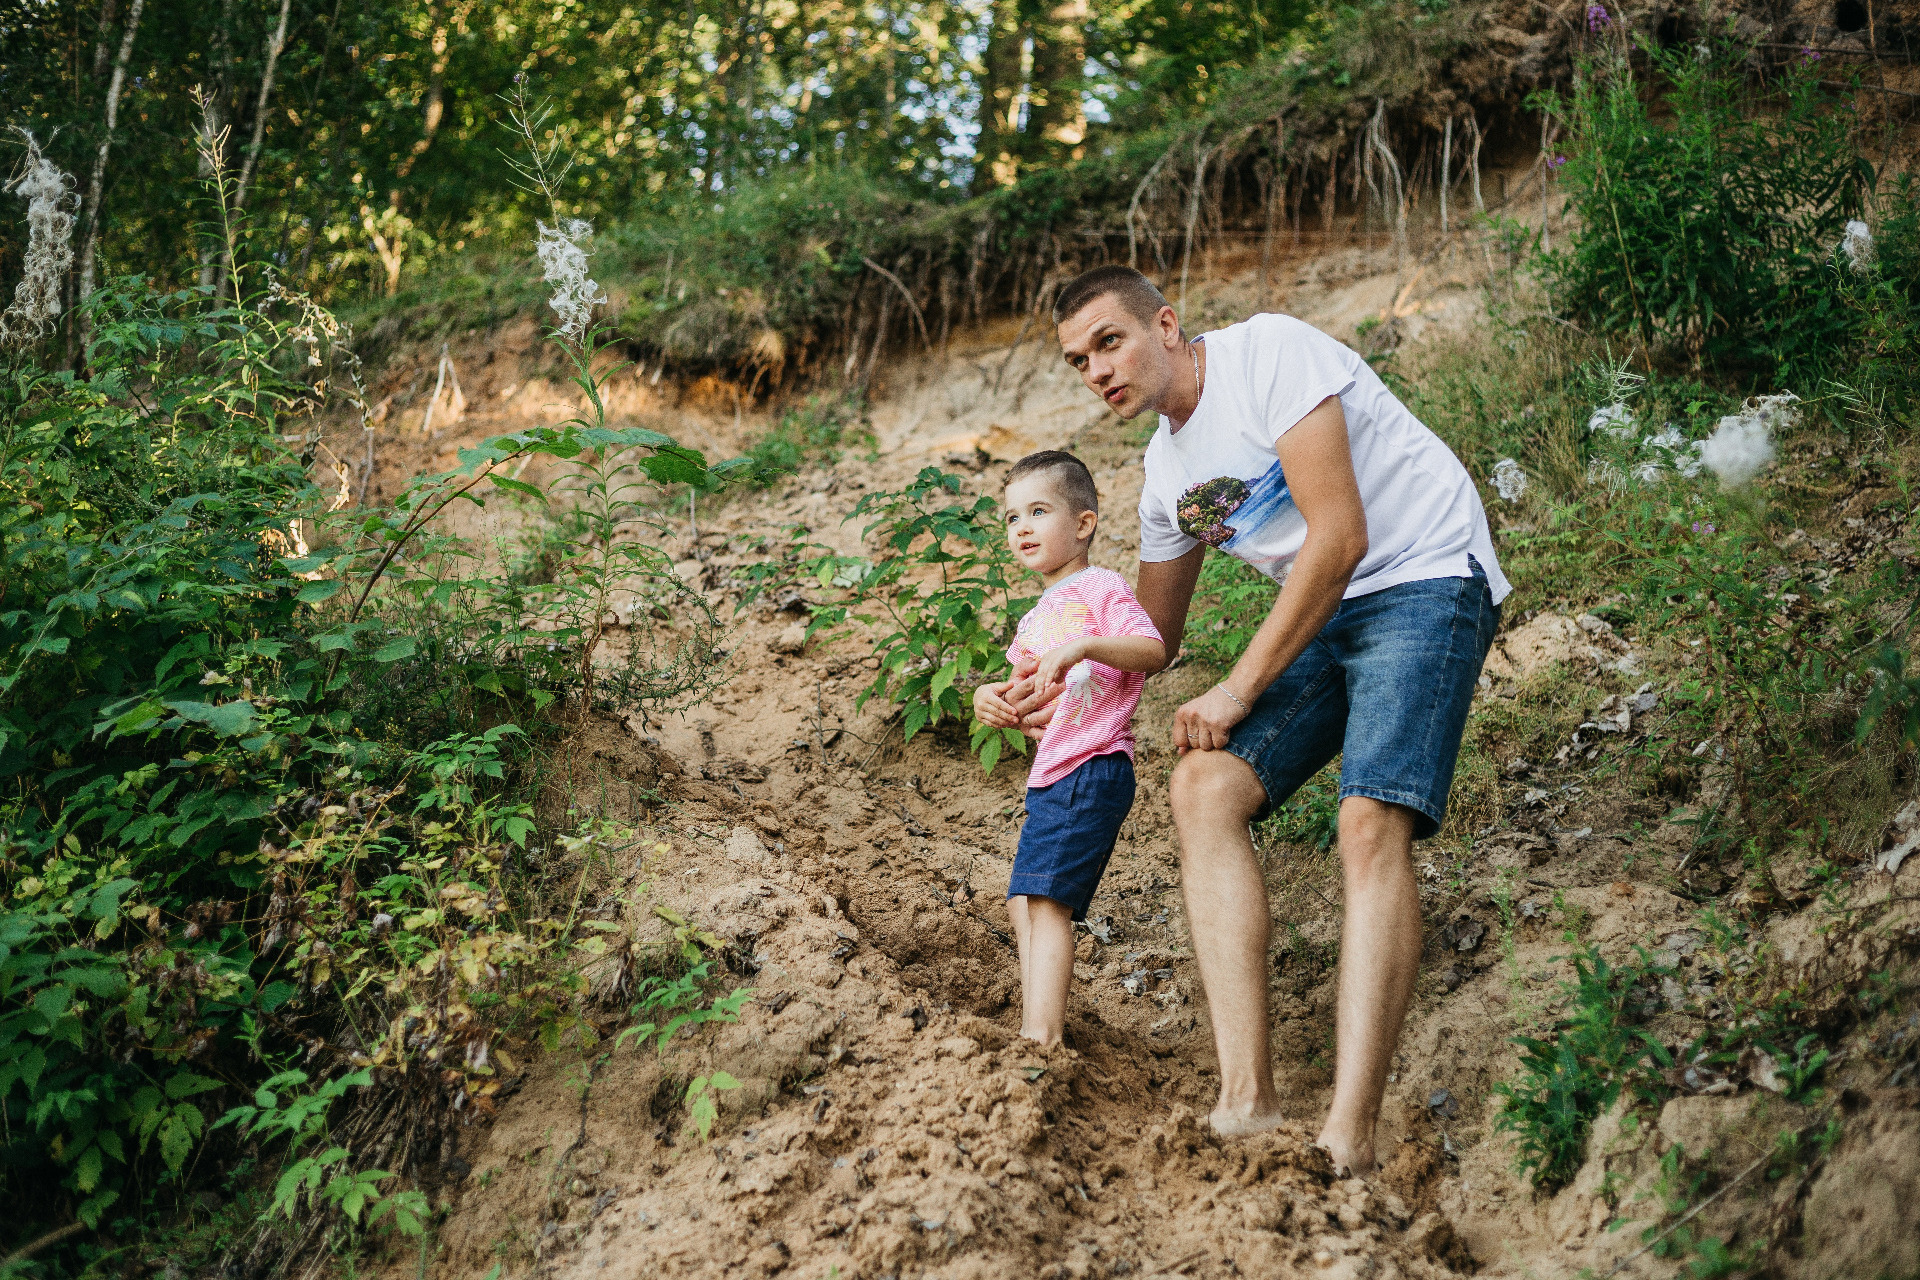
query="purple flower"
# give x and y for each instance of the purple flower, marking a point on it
(1700, 527)
(1556, 162)
(1809, 55)
(1597, 18)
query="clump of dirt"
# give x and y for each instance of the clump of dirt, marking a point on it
(882, 1131)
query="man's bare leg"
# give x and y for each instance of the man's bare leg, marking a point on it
(1043, 929)
(1214, 796)
(1379, 959)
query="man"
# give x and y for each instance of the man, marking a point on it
(1281, 446)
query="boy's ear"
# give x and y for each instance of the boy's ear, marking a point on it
(1089, 521)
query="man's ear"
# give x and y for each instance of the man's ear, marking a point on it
(1169, 323)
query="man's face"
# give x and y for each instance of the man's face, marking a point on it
(1126, 361)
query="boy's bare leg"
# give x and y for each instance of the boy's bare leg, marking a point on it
(1214, 797)
(1044, 931)
(1379, 958)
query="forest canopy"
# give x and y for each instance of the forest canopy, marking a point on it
(366, 138)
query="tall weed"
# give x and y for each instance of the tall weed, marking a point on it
(1713, 231)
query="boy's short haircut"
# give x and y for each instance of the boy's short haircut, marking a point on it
(1071, 480)
(1141, 298)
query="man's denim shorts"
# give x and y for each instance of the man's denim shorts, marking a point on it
(1386, 686)
(1070, 832)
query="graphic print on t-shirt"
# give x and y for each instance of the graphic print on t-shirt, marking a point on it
(1252, 521)
(1051, 628)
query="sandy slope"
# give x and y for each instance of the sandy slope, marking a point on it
(890, 1123)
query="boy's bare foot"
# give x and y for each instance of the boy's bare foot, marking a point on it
(1238, 1124)
(1350, 1159)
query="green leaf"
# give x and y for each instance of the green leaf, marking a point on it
(184, 1084)
(86, 1171)
(395, 650)
(177, 1133)
(675, 464)
(315, 592)
(943, 680)
(229, 719)
(990, 753)
(519, 486)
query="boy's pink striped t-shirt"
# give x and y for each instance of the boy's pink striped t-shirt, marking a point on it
(1095, 714)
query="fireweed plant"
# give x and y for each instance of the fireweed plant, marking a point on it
(268, 853)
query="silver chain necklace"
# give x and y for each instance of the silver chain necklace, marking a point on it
(1193, 349)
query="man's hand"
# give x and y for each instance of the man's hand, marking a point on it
(1206, 723)
(990, 705)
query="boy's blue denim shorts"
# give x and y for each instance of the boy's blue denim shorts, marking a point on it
(1070, 832)
(1386, 686)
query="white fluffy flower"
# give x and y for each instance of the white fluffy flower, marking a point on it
(1601, 473)
(1615, 419)
(1510, 480)
(1741, 447)
(50, 208)
(563, 252)
(1856, 245)
(1666, 450)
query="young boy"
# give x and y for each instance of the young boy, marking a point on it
(1088, 634)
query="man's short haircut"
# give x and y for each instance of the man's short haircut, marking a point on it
(1141, 298)
(1071, 480)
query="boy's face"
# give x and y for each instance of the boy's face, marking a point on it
(1041, 529)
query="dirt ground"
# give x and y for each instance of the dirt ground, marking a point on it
(889, 1122)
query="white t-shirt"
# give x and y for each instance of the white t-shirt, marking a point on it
(1216, 480)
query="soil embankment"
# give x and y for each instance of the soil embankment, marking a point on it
(889, 1121)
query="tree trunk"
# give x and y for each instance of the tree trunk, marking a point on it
(275, 44)
(1000, 98)
(96, 186)
(1054, 112)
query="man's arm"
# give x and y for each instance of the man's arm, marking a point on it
(1165, 591)
(1318, 462)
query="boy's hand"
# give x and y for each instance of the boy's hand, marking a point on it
(990, 704)
(1057, 661)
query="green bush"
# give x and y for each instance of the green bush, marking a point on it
(261, 797)
(1714, 229)
(941, 591)
(1569, 1079)
(1234, 598)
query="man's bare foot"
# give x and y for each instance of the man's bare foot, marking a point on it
(1230, 1124)
(1350, 1159)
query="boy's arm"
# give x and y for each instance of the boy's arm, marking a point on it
(1122, 653)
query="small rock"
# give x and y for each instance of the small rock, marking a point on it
(1431, 1234)
(1451, 978)
(744, 846)
(1443, 1104)
(792, 641)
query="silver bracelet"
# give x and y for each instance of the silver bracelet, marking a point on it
(1222, 687)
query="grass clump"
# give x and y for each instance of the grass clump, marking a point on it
(812, 432)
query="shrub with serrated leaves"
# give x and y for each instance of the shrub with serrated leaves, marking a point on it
(941, 592)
